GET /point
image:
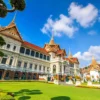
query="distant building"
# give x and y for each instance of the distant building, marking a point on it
(24, 60)
(93, 70)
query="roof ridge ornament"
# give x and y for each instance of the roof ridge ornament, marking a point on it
(70, 54)
(52, 39)
(94, 62)
(14, 17)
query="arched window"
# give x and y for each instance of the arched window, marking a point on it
(32, 53)
(11, 60)
(14, 48)
(27, 51)
(54, 68)
(37, 54)
(19, 64)
(41, 56)
(48, 58)
(22, 50)
(4, 59)
(45, 57)
(8, 46)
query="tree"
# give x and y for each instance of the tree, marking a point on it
(15, 4)
(2, 42)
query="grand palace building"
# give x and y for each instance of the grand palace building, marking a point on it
(24, 60)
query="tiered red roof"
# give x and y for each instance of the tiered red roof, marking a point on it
(72, 60)
(34, 47)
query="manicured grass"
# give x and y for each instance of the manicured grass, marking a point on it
(45, 91)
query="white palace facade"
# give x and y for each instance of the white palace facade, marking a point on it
(24, 60)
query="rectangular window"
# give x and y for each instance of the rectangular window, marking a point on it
(31, 66)
(40, 67)
(37, 54)
(10, 63)
(41, 56)
(22, 50)
(35, 67)
(45, 57)
(43, 68)
(14, 48)
(19, 64)
(32, 53)
(27, 51)
(25, 65)
(48, 58)
(4, 60)
(47, 69)
(8, 46)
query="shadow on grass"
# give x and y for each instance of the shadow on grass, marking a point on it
(24, 94)
(61, 98)
(24, 98)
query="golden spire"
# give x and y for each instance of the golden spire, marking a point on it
(14, 17)
(12, 23)
(94, 62)
(70, 54)
(52, 40)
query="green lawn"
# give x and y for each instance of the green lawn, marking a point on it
(45, 91)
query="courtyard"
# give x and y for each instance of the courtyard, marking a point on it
(45, 91)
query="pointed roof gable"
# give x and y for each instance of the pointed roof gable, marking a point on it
(12, 31)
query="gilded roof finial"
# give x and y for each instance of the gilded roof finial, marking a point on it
(14, 17)
(70, 54)
(52, 39)
(94, 62)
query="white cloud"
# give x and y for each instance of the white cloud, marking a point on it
(86, 57)
(92, 51)
(85, 16)
(63, 25)
(92, 32)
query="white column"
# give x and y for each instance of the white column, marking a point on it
(42, 68)
(62, 69)
(8, 60)
(33, 67)
(37, 68)
(15, 62)
(14, 59)
(57, 68)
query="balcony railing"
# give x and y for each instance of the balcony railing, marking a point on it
(12, 68)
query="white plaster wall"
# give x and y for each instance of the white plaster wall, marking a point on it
(95, 74)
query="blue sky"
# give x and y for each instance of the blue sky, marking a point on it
(79, 27)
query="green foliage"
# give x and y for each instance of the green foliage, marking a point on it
(2, 41)
(45, 91)
(18, 4)
(1, 54)
(3, 13)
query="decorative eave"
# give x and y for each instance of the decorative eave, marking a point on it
(11, 25)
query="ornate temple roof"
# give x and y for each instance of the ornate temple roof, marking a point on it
(93, 66)
(11, 31)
